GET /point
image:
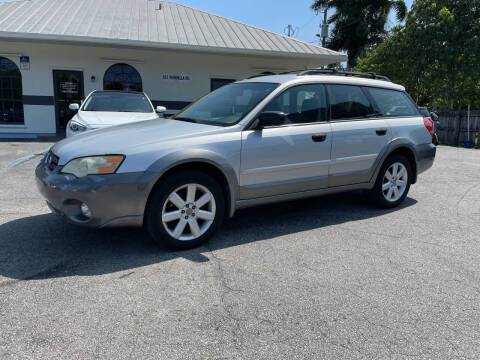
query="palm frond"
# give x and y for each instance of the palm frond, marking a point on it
(400, 9)
(318, 4)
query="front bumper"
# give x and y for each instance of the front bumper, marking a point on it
(114, 200)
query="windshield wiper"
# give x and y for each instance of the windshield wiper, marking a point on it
(185, 119)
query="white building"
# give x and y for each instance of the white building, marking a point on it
(54, 52)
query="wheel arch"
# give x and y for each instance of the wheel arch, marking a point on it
(410, 155)
(212, 165)
(403, 148)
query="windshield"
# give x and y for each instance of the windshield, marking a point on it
(227, 105)
(118, 102)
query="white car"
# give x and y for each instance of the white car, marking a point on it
(102, 109)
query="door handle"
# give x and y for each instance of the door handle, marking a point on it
(381, 132)
(319, 137)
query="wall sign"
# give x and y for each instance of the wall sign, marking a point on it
(24, 62)
(68, 87)
(176, 77)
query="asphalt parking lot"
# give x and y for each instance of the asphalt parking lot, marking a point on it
(325, 278)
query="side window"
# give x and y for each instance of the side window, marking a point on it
(393, 102)
(348, 102)
(301, 104)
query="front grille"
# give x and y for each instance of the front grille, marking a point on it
(52, 161)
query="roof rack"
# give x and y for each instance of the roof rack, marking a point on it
(265, 73)
(369, 75)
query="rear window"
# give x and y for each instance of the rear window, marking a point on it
(424, 112)
(348, 102)
(393, 102)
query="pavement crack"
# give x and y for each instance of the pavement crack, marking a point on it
(227, 308)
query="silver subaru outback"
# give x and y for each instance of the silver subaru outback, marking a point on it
(262, 140)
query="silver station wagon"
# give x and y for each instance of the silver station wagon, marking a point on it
(262, 140)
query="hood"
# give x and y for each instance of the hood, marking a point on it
(105, 118)
(132, 138)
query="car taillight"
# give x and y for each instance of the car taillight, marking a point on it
(428, 124)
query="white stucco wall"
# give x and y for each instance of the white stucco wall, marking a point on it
(150, 63)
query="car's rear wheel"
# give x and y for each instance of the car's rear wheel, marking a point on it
(185, 210)
(393, 182)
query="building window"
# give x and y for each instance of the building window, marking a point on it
(218, 83)
(11, 101)
(122, 77)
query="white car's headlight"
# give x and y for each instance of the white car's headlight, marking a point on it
(93, 165)
(76, 126)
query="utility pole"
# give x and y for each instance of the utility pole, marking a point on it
(324, 28)
(323, 35)
(290, 31)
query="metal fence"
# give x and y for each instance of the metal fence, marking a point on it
(453, 127)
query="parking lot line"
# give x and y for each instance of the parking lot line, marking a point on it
(27, 157)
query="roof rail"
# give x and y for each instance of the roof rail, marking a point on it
(265, 73)
(369, 75)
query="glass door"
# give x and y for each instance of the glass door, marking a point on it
(68, 88)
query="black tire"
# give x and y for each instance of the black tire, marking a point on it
(376, 194)
(153, 219)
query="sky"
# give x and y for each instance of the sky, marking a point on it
(273, 15)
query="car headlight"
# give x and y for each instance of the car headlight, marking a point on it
(93, 165)
(75, 126)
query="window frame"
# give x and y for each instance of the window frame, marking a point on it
(14, 100)
(377, 108)
(365, 93)
(253, 123)
(122, 64)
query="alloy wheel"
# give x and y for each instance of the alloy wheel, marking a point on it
(188, 212)
(395, 182)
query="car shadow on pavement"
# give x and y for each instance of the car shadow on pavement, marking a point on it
(44, 246)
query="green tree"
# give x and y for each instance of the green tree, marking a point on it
(436, 54)
(359, 24)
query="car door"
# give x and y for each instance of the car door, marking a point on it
(291, 157)
(359, 135)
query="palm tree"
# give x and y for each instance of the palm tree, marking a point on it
(359, 24)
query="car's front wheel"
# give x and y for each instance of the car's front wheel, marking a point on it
(393, 182)
(185, 210)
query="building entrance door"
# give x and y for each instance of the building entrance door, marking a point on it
(68, 89)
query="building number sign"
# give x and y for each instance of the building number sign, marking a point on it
(176, 77)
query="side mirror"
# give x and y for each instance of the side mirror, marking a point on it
(270, 118)
(161, 109)
(74, 107)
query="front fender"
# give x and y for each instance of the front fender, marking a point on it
(181, 157)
